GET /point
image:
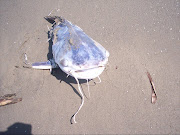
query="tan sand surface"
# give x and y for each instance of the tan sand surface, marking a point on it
(140, 35)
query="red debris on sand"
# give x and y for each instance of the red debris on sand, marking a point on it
(153, 96)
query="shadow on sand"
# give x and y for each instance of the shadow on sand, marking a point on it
(18, 129)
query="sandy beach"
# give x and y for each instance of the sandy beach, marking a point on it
(141, 36)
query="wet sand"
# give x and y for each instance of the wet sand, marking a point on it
(140, 36)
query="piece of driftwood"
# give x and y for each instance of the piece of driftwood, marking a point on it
(9, 99)
(153, 96)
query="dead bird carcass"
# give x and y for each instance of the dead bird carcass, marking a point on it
(74, 52)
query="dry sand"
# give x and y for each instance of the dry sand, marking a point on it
(140, 35)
